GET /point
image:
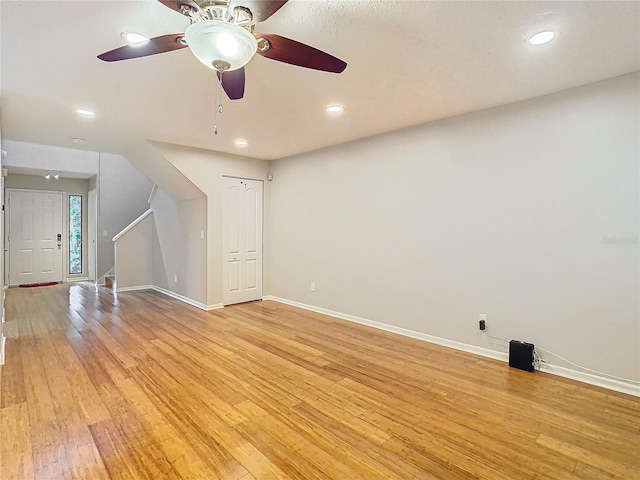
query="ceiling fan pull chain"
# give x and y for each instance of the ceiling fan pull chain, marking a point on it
(220, 109)
(215, 115)
(218, 106)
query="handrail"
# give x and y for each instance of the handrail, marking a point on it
(133, 224)
(153, 190)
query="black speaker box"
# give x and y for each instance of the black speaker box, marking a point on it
(521, 355)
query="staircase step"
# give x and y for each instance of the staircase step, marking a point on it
(109, 281)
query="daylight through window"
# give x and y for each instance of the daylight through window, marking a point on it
(75, 234)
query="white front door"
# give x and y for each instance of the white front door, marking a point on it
(35, 237)
(242, 240)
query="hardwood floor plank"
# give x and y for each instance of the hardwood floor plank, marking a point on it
(46, 433)
(589, 472)
(618, 468)
(256, 463)
(16, 459)
(85, 462)
(205, 431)
(279, 453)
(114, 451)
(435, 461)
(84, 391)
(12, 389)
(316, 424)
(316, 450)
(103, 385)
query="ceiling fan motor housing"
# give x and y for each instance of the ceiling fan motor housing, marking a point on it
(217, 10)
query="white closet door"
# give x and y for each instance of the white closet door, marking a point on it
(242, 240)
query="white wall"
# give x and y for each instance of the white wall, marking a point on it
(2, 247)
(205, 169)
(509, 212)
(133, 255)
(154, 165)
(124, 196)
(71, 186)
(178, 247)
(47, 157)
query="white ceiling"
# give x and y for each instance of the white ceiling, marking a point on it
(409, 62)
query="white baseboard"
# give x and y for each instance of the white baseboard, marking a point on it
(3, 343)
(134, 288)
(600, 381)
(485, 352)
(188, 300)
(171, 294)
(611, 384)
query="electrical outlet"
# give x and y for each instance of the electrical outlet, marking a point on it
(313, 286)
(482, 321)
(175, 278)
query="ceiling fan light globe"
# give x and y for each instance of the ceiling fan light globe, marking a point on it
(227, 45)
(215, 43)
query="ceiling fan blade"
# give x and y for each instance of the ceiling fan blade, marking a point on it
(289, 51)
(165, 43)
(176, 4)
(233, 83)
(261, 9)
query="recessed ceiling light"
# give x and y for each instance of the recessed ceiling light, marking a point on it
(240, 142)
(334, 109)
(85, 112)
(77, 140)
(133, 38)
(541, 38)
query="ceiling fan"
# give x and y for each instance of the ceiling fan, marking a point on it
(222, 37)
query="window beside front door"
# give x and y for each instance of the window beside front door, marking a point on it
(75, 234)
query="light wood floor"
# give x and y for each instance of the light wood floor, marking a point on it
(146, 387)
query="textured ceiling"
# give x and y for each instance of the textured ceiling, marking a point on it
(409, 62)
